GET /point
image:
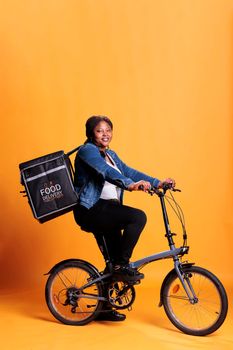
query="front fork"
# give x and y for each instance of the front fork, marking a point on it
(184, 280)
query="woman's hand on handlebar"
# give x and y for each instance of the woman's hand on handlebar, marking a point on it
(140, 186)
(146, 186)
(167, 183)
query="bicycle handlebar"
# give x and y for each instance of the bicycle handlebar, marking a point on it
(166, 186)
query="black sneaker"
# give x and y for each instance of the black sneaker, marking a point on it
(126, 273)
(110, 315)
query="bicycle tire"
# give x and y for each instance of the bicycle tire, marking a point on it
(62, 289)
(201, 318)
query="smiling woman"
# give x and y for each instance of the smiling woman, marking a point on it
(99, 129)
(100, 179)
(102, 135)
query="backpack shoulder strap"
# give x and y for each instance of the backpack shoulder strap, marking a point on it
(72, 151)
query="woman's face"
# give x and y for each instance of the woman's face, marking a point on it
(102, 135)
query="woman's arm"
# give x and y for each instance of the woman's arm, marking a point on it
(136, 175)
(91, 156)
(143, 181)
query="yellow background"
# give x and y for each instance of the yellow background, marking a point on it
(162, 71)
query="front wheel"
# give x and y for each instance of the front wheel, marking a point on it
(205, 313)
(70, 295)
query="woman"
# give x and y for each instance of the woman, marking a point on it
(100, 179)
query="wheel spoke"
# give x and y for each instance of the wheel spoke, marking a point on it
(65, 277)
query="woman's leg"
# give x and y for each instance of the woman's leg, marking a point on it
(110, 242)
(110, 217)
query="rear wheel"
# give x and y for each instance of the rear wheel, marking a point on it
(203, 315)
(67, 298)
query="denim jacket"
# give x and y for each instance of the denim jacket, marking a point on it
(91, 171)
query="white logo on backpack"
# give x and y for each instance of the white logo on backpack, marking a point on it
(51, 192)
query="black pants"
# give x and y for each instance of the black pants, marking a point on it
(121, 226)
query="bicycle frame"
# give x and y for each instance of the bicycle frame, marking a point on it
(173, 253)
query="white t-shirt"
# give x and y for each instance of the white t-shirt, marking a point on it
(109, 190)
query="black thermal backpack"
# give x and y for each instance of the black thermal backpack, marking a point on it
(48, 182)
